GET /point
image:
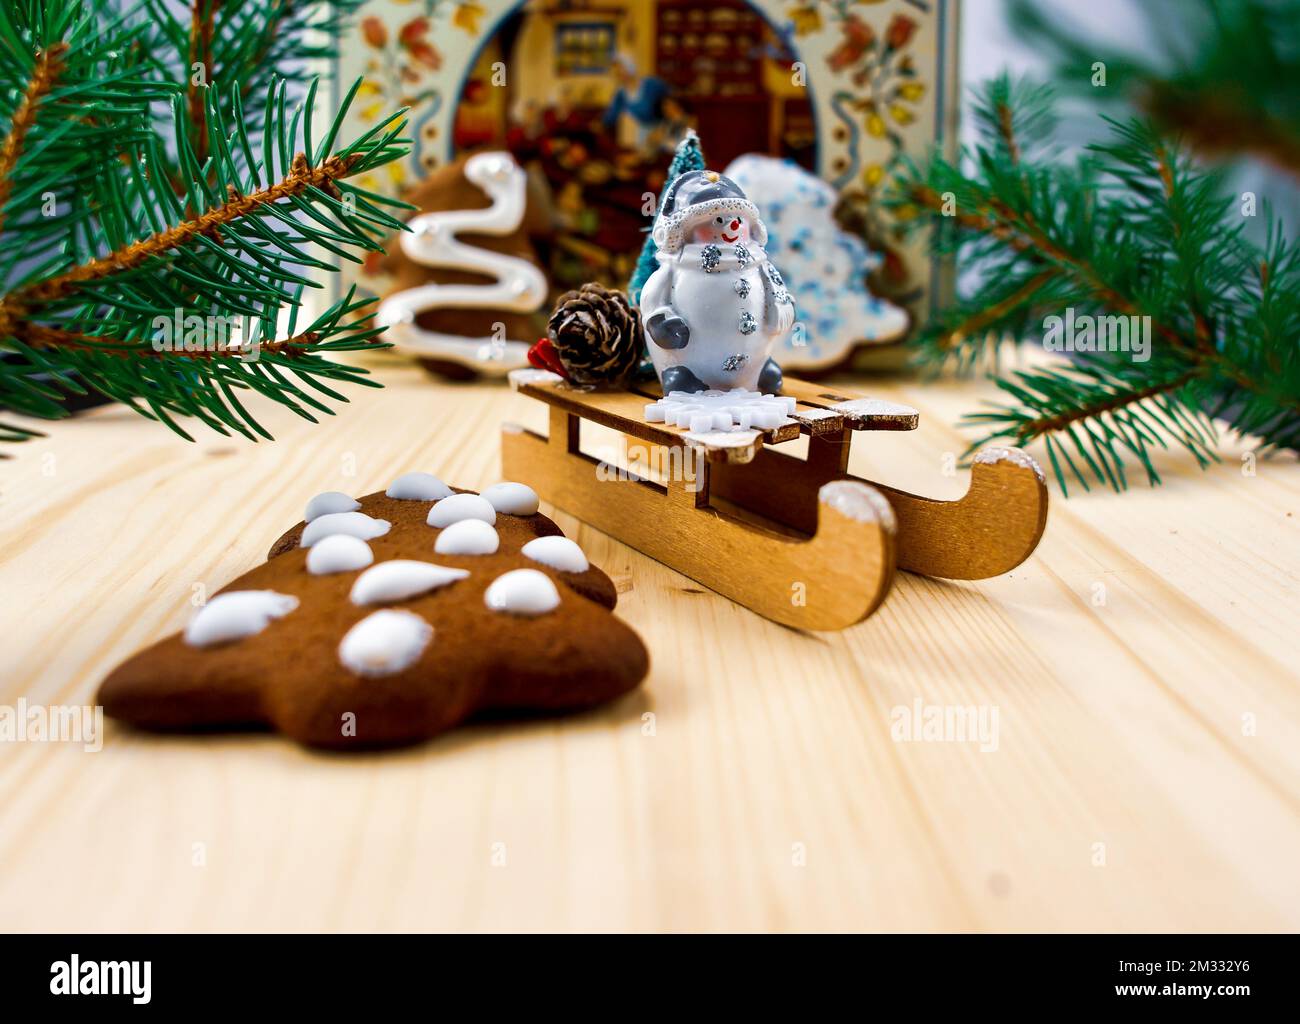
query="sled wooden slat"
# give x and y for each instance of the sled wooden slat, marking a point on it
(820, 412)
(625, 411)
(827, 410)
(818, 422)
(858, 411)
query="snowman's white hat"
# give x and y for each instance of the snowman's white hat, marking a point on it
(698, 196)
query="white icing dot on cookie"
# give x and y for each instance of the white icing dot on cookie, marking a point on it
(418, 487)
(354, 524)
(385, 643)
(461, 506)
(400, 578)
(237, 614)
(557, 552)
(339, 552)
(522, 592)
(330, 501)
(467, 537)
(512, 499)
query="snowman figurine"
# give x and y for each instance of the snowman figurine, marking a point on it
(715, 306)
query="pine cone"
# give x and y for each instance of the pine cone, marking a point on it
(597, 335)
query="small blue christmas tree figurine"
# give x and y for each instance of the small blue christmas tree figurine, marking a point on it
(689, 157)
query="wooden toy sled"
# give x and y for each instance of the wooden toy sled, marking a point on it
(799, 541)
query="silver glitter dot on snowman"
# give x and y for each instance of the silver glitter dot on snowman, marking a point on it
(710, 240)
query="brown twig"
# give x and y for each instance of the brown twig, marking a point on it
(1218, 124)
(925, 196)
(1190, 348)
(1002, 223)
(298, 180)
(1032, 429)
(202, 15)
(1165, 170)
(995, 312)
(1006, 129)
(49, 64)
(43, 337)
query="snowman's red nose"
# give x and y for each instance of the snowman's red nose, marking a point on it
(735, 224)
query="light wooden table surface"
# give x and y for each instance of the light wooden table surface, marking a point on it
(1143, 666)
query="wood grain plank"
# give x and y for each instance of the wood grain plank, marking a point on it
(766, 789)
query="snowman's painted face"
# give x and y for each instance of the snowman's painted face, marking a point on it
(722, 230)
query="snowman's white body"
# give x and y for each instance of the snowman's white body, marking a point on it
(735, 304)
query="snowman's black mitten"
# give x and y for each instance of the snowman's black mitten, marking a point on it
(668, 330)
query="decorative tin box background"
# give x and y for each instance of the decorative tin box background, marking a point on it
(590, 95)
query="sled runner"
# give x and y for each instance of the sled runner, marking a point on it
(799, 541)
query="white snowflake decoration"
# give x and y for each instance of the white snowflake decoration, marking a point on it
(725, 411)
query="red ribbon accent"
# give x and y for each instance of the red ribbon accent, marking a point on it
(544, 357)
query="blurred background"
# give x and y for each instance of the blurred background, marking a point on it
(591, 96)
(991, 44)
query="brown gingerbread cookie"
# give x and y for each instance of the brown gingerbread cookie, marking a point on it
(388, 620)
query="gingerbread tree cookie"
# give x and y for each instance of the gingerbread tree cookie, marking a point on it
(467, 289)
(390, 619)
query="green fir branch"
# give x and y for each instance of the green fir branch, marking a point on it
(1131, 228)
(115, 226)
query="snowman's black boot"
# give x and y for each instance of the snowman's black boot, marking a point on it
(770, 378)
(680, 378)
